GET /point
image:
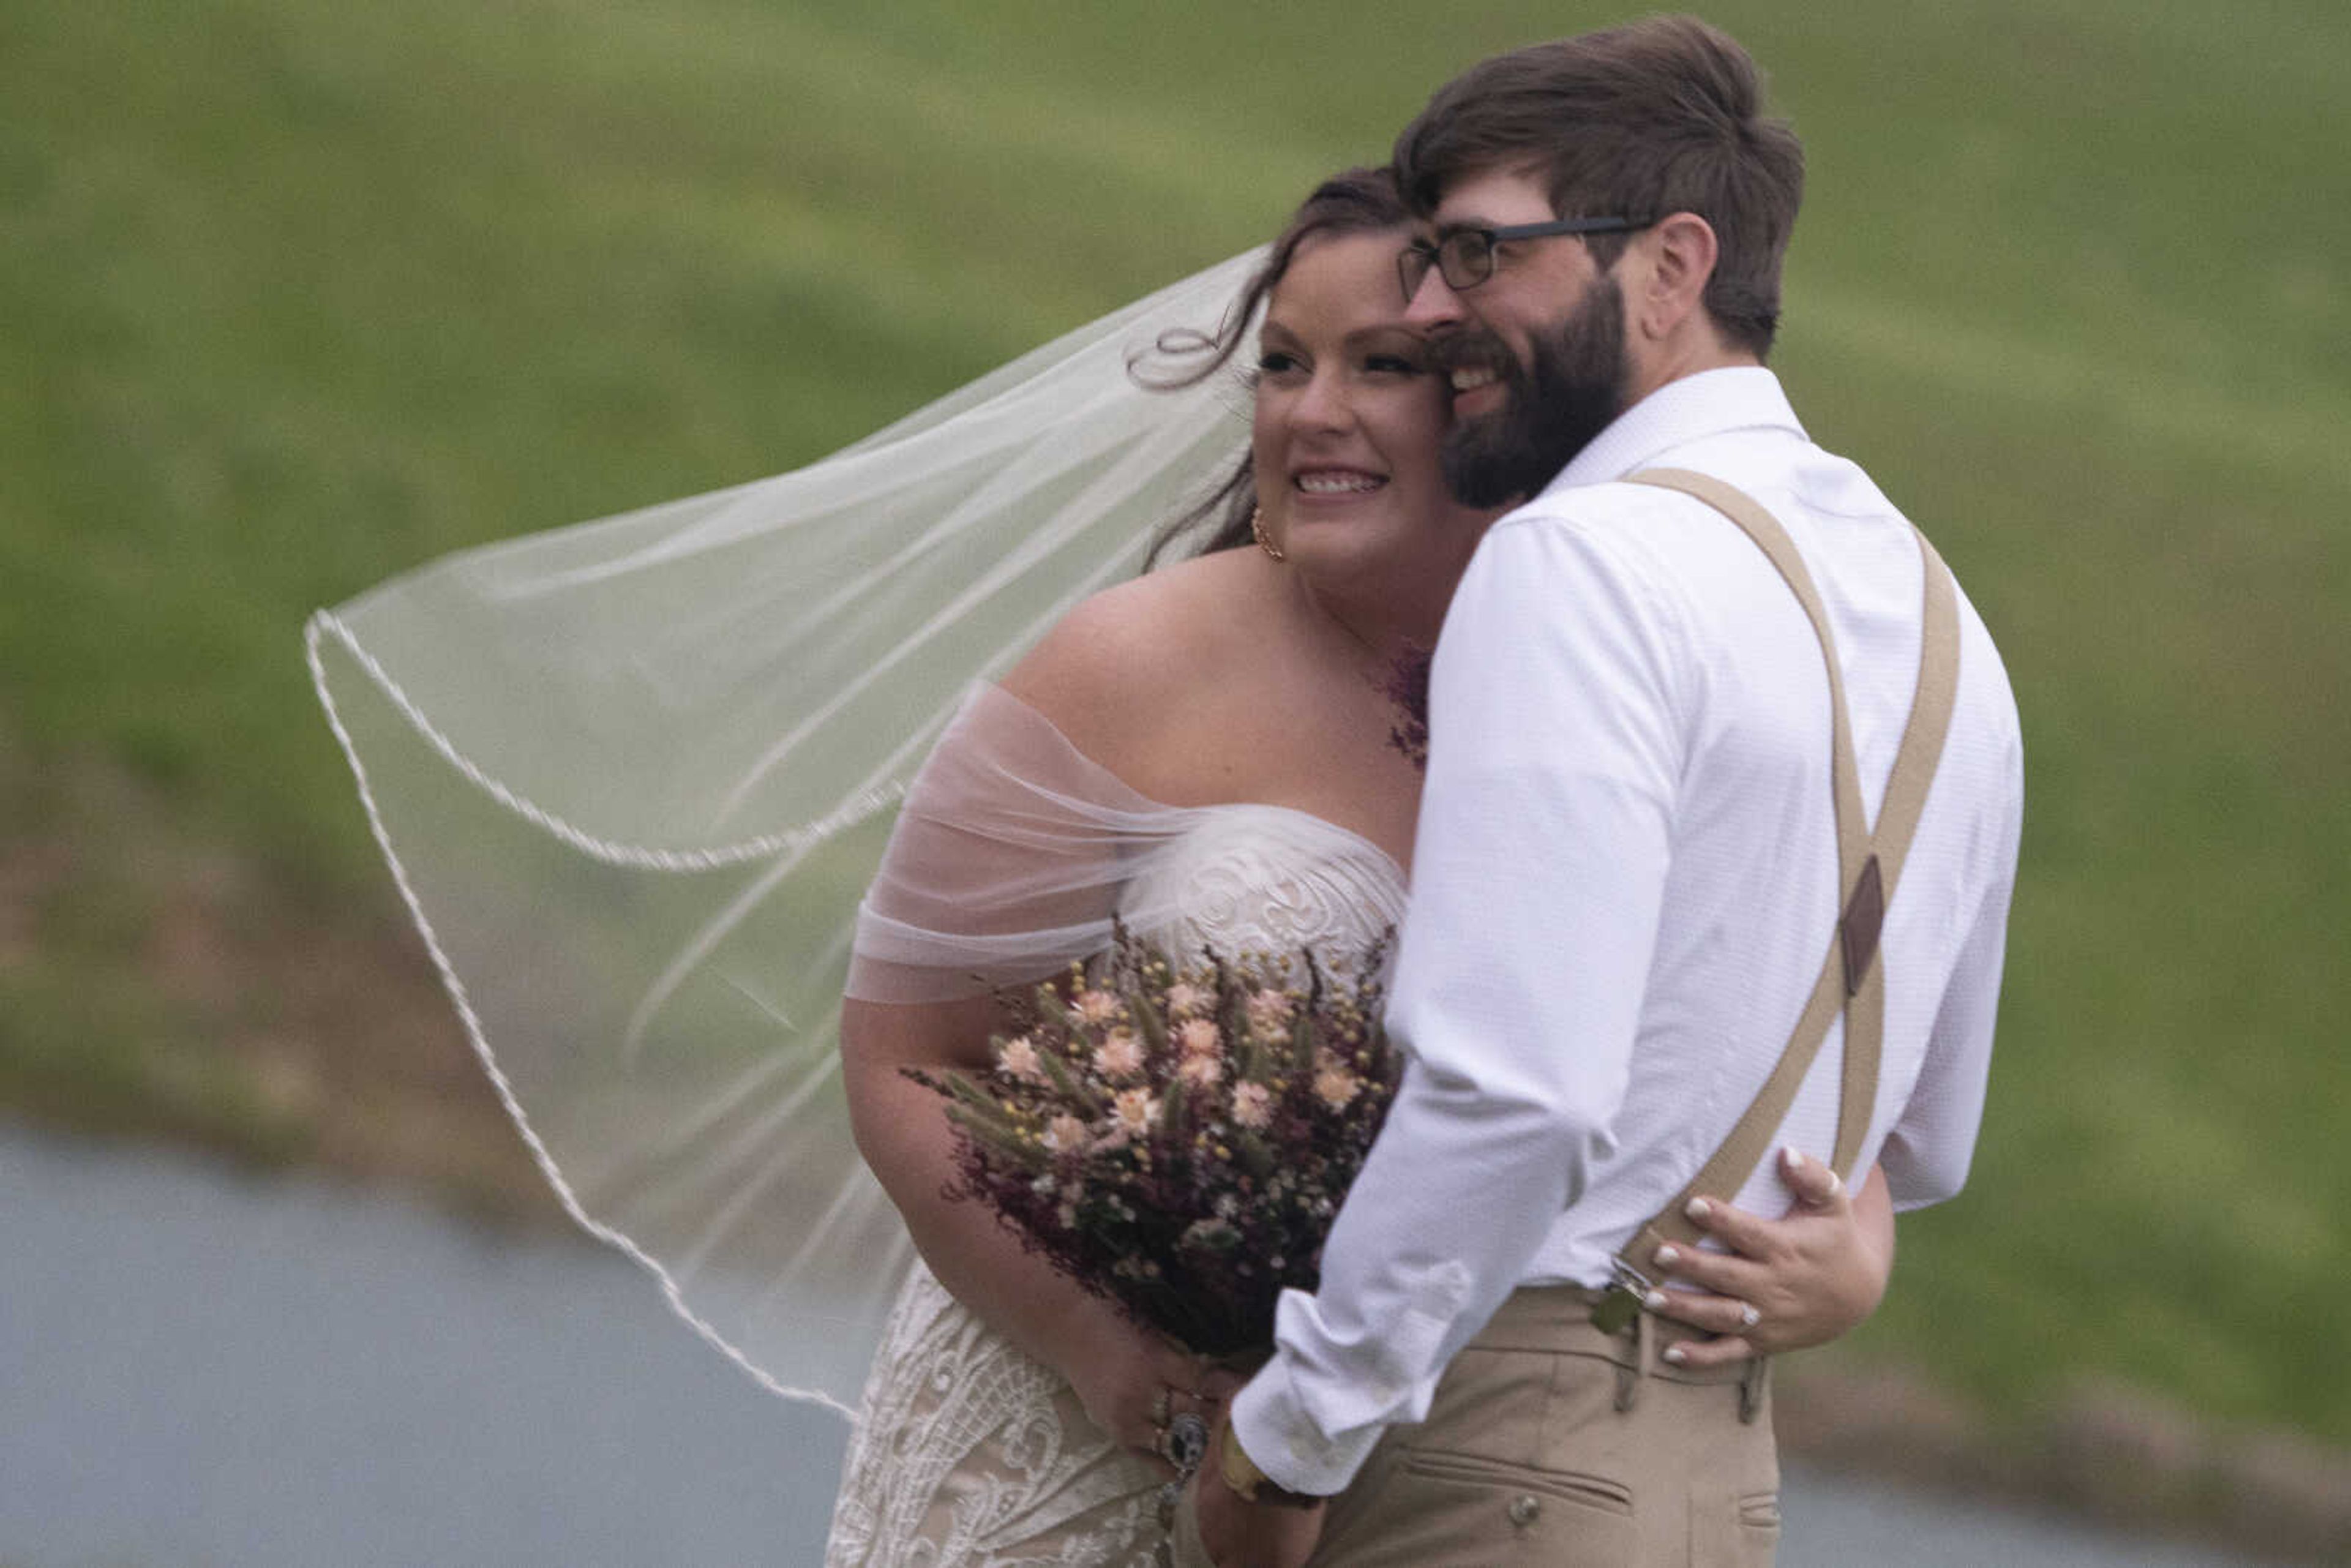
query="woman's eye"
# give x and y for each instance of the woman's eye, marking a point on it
(1274, 363)
(1392, 364)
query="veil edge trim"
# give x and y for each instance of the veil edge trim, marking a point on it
(324, 623)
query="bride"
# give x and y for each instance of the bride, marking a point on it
(1211, 752)
(630, 776)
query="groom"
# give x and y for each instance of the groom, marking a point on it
(1628, 867)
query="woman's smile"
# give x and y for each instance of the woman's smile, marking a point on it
(1336, 484)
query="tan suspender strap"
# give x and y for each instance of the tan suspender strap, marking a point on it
(1869, 865)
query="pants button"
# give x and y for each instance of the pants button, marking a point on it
(1524, 1508)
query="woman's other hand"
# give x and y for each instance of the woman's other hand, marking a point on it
(1131, 1380)
(1783, 1284)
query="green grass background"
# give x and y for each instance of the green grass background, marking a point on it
(295, 295)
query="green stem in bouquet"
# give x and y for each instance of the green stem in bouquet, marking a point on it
(1068, 1086)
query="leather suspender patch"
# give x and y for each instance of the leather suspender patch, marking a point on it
(1864, 917)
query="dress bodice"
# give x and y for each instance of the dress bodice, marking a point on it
(1249, 878)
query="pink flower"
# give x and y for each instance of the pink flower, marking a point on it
(1252, 1105)
(1186, 999)
(1119, 1056)
(1201, 1070)
(1335, 1084)
(1065, 1135)
(1136, 1109)
(1269, 1010)
(1096, 1007)
(1018, 1060)
(1199, 1036)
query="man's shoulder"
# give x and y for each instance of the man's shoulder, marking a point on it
(1618, 518)
(1608, 507)
(1816, 495)
(1666, 541)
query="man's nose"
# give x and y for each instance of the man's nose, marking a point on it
(1433, 306)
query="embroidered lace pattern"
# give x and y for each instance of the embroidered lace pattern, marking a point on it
(970, 1454)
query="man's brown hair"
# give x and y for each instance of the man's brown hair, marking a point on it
(1648, 119)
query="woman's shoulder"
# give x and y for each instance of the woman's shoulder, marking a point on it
(1116, 669)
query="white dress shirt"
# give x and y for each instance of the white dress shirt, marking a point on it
(1623, 887)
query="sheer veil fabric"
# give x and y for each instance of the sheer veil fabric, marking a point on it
(633, 777)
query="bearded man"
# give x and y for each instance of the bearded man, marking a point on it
(1715, 855)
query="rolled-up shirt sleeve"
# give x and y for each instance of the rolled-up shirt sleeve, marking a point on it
(1557, 714)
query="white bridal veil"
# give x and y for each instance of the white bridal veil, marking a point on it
(631, 778)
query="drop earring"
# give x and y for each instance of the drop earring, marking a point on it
(1264, 541)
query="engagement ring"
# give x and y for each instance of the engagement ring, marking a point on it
(1184, 1443)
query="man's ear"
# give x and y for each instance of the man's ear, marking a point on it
(1680, 251)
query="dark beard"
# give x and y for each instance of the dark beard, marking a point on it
(1572, 392)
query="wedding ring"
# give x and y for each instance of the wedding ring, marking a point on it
(1184, 1443)
(1748, 1316)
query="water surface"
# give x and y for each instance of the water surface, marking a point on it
(197, 1368)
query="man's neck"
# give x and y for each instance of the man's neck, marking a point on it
(1694, 344)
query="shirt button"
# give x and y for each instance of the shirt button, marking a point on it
(1524, 1508)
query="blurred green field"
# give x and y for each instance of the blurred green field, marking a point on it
(293, 295)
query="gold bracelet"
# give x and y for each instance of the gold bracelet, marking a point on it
(1253, 1485)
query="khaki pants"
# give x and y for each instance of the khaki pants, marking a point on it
(1552, 1443)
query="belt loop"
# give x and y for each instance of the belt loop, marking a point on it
(1751, 1387)
(1628, 1378)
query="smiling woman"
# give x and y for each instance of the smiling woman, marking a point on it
(1222, 723)
(1349, 417)
(632, 775)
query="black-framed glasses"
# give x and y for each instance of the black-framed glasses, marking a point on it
(1466, 256)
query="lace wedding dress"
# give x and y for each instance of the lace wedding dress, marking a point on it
(967, 1453)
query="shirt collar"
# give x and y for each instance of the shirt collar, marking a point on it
(1739, 397)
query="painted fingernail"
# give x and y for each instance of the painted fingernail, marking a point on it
(1668, 1256)
(1749, 1317)
(1793, 1159)
(1698, 1209)
(1655, 1301)
(1676, 1354)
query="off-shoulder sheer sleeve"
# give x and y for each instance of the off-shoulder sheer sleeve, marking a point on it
(1015, 852)
(1010, 857)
